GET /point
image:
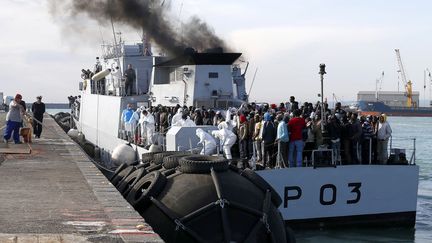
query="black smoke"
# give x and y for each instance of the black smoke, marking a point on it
(151, 16)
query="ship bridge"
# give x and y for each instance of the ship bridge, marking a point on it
(198, 79)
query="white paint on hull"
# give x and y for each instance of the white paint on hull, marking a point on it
(378, 189)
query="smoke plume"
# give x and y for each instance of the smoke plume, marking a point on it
(150, 16)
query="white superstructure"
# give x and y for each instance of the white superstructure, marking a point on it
(192, 79)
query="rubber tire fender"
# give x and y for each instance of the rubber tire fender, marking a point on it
(147, 160)
(290, 235)
(235, 169)
(148, 186)
(262, 184)
(201, 164)
(131, 180)
(119, 168)
(153, 167)
(123, 174)
(148, 155)
(158, 158)
(172, 161)
(168, 172)
(142, 165)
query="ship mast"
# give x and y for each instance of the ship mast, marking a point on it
(116, 51)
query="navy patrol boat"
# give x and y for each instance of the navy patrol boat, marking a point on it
(312, 196)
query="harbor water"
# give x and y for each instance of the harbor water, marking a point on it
(404, 129)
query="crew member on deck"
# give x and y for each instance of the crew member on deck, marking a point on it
(148, 122)
(100, 85)
(383, 135)
(130, 79)
(207, 141)
(126, 117)
(226, 137)
(38, 109)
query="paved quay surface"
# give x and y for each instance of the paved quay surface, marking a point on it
(56, 194)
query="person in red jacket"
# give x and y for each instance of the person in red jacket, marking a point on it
(295, 128)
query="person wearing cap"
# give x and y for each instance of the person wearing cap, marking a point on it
(38, 109)
(268, 140)
(14, 120)
(383, 134)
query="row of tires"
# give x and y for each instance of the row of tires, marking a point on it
(184, 198)
(63, 119)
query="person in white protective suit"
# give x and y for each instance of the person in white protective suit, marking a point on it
(177, 117)
(185, 121)
(148, 122)
(226, 137)
(134, 122)
(143, 126)
(231, 118)
(207, 141)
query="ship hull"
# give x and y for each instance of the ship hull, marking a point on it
(377, 108)
(360, 195)
(100, 121)
(349, 195)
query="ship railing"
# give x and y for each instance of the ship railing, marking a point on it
(400, 147)
(398, 150)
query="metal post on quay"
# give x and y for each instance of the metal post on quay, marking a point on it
(322, 72)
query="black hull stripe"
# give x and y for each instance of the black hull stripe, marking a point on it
(405, 219)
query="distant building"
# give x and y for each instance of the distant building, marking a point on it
(390, 98)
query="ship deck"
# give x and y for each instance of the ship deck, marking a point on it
(56, 194)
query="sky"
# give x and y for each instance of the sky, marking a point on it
(284, 41)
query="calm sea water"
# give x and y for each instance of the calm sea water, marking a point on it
(403, 128)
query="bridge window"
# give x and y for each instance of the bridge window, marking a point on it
(213, 75)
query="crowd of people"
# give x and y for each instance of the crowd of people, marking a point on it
(283, 135)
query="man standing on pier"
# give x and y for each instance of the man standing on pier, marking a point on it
(38, 109)
(14, 119)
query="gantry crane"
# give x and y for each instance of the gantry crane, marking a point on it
(407, 83)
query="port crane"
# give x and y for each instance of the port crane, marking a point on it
(428, 74)
(407, 83)
(378, 85)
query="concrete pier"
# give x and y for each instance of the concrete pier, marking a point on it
(56, 194)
